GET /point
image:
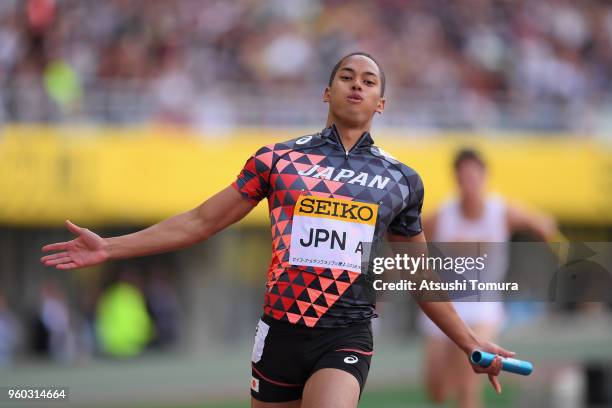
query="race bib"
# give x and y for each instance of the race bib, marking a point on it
(330, 232)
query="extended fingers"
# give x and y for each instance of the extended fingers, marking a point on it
(69, 265)
(495, 383)
(53, 256)
(505, 353)
(58, 261)
(61, 260)
(75, 229)
(58, 246)
(493, 370)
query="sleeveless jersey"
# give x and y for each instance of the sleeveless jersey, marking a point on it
(491, 226)
(490, 230)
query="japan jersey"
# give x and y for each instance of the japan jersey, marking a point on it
(327, 205)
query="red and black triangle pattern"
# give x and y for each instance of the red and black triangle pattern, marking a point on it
(302, 297)
(325, 297)
(253, 180)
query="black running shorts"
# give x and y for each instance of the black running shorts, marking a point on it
(285, 355)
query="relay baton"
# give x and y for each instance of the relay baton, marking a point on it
(484, 359)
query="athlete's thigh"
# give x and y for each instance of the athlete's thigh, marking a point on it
(438, 371)
(331, 388)
(288, 404)
(436, 358)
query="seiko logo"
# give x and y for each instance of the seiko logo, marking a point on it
(347, 210)
(349, 176)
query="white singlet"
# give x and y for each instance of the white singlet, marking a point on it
(490, 227)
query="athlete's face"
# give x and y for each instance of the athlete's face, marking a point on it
(471, 179)
(355, 93)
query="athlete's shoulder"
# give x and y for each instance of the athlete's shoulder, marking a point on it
(302, 142)
(297, 143)
(409, 173)
(270, 153)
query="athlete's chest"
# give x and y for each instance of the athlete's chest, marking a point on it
(359, 178)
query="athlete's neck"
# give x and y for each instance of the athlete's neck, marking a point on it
(348, 134)
(472, 209)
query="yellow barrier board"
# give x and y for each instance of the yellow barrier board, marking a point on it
(137, 176)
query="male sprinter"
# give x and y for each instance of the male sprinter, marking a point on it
(327, 193)
(473, 216)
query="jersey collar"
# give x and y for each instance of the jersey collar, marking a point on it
(332, 136)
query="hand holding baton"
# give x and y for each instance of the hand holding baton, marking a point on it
(484, 359)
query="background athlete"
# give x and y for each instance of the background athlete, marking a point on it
(473, 216)
(323, 325)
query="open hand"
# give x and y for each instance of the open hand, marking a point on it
(86, 249)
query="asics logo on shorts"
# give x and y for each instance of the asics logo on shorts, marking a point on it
(351, 359)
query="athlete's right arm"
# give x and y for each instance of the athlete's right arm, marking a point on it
(179, 231)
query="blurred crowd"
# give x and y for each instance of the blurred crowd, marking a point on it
(457, 63)
(133, 309)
